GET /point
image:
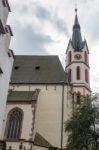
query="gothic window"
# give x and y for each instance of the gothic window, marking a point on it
(4, 3)
(69, 57)
(2, 30)
(14, 124)
(86, 59)
(86, 75)
(69, 75)
(78, 98)
(78, 73)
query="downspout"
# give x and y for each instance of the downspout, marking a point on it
(62, 117)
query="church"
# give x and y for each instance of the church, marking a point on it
(42, 94)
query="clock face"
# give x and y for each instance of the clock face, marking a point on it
(78, 56)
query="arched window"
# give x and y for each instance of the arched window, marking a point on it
(78, 73)
(86, 75)
(69, 57)
(69, 75)
(14, 124)
(78, 98)
(86, 58)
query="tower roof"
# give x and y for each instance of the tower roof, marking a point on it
(77, 42)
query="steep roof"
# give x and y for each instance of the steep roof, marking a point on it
(41, 141)
(77, 42)
(37, 69)
(21, 96)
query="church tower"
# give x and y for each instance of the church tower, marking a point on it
(77, 61)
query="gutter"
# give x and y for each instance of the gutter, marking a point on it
(62, 117)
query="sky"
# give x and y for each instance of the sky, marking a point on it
(44, 27)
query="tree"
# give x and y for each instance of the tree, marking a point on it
(81, 127)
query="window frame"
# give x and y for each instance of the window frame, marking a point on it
(78, 73)
(7, 135)
(69, 75)
(69, 57)
(86, 57)
(86, 76)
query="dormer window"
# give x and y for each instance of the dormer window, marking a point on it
(37, 68)
(1, 71)
(16, 67)
(4, 3)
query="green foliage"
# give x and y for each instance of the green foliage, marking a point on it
(81, 127)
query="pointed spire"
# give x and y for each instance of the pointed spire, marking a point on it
(76, 36)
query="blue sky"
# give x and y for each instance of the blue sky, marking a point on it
(44, 27)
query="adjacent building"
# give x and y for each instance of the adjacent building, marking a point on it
(6, 55)
(42, 95)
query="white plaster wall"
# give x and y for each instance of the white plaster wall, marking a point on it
(3, 13)
(6, 62)
(48, 114)
(67, 111)
(39, 148)
(15, 145)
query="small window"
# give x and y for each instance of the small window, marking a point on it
(2, 29)
(78, 73)
(86, 57)
(86, 75)
(4, 3)
(6, 30)
(69, 75)
(37, 67)
(9, 54)
(69, 57)
(78, 98)
(16, 67)
(7, 4)
(1, 71)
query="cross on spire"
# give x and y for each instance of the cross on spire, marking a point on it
(76, 8)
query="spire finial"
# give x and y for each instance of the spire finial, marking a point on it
(76, 8)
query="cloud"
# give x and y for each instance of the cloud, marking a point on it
(46, 15)
(42, 13)
(29, 41)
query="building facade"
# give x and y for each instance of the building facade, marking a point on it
(41, 96)
(6, 56)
